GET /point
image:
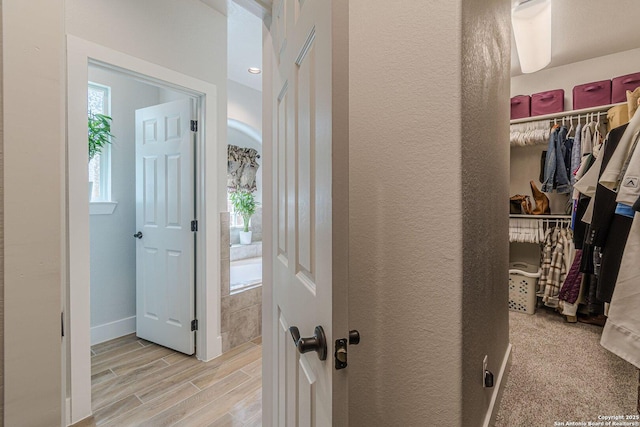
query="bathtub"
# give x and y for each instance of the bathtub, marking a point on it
(245, 273)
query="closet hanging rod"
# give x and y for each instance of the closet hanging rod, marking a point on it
(540, 217)
(602, 109)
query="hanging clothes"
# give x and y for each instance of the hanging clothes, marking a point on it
(590, 137)
(612, 254)
(571, 286)
(611, 174)
(576, 154)
(597, 233)
(555, 255)
(617, 116)
(629, 177)
(610, 226)
(529, 133)
(555, 170)
(524, 230)
(605, 204)
(621, 334)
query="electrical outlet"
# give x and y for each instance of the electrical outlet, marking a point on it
(485, 362)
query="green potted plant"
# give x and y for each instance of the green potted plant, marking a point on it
(244, 203)
(99, 136)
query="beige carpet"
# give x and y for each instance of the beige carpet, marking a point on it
(560, 372)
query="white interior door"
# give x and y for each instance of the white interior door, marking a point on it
(309, 391)
(165, 284)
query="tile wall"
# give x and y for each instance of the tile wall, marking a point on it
(241, 313)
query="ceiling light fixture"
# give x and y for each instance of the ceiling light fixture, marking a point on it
(531, 21)
(255, 70)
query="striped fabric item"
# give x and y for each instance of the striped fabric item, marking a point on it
(545, 265)
(553, 266)
(571, 287)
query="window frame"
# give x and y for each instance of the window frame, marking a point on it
(235, 219)
(105, 154)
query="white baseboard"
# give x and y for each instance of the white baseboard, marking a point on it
(214, 350)
(67, 409)
(111, 330)
(496, 396)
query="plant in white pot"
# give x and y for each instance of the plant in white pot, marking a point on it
(99, 136)
(244, 204)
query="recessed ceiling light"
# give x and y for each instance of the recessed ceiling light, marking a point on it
(255, 70)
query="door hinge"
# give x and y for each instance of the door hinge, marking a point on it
(62, 323)
(194, 325)
(194, 225)
(194, 125)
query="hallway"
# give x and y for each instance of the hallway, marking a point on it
(137, 383)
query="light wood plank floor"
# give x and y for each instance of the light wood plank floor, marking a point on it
(137, 383)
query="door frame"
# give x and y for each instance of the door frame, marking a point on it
(80, 53)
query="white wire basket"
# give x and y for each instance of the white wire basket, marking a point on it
(523, 278)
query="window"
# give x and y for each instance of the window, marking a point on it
(99, 102)
(235, 219)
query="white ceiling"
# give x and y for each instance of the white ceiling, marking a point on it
(581, 29)
(244, 45)
(244, 38)
(585, 29)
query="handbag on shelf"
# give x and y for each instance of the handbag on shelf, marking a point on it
(520, 204)
(541, 199)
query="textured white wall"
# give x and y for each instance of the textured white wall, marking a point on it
(1, 236)
(186, 36)
(113, 249)
(34, 138)
(568, 76)
(428, 138)
(486, 55)
(245, 105)
(155, 30)
(405, 277)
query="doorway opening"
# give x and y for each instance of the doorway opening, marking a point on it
(242, 234)
(245, 253)
(206, 201)
(115, 206)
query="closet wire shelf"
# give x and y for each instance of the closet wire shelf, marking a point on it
(540, 217)
(601, 109)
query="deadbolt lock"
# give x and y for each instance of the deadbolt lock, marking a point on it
(340, 353)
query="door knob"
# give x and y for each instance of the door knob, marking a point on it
(138, 235)
(317, 343)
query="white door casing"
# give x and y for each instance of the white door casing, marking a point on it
(165, 284)
(310, 220)
(210, 201)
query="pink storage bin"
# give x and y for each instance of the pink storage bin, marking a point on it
(549, 102)
(592, 94)
(620, 86)
(521, 106)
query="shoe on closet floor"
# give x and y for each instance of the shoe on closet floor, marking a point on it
(599, 319)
